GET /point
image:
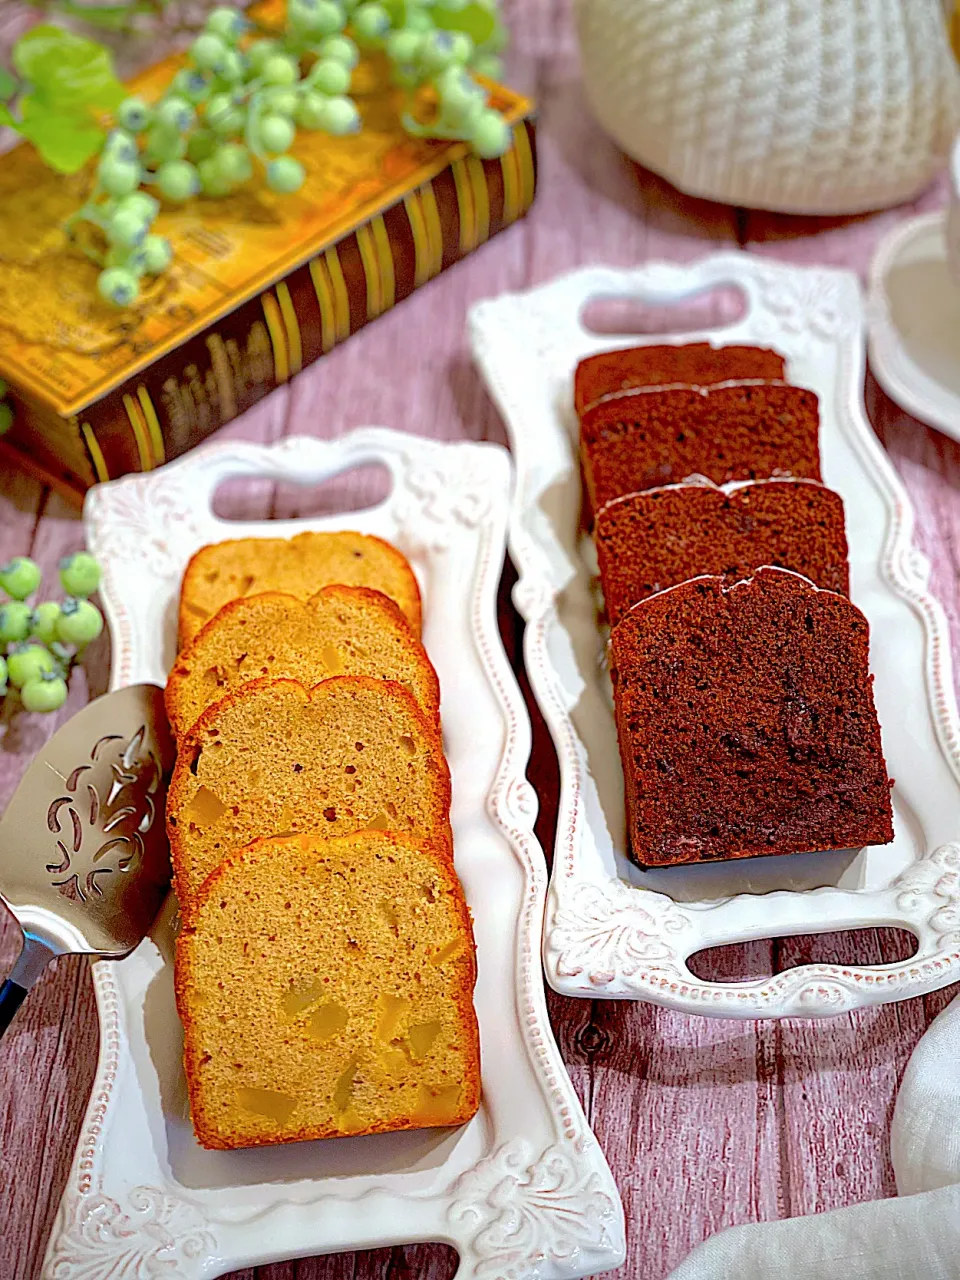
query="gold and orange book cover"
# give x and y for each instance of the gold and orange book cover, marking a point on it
(261, 284)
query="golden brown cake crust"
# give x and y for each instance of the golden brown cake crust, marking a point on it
(302, 764)
(216, 1045)
(300, 638)
(301, 564)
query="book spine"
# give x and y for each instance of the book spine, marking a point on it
(176, 402)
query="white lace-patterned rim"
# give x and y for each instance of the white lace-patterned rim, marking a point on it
(613, 930)
(523, 1191)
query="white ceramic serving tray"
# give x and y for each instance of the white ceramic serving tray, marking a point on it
(522, 1191)
(913, 318)
(612, 929)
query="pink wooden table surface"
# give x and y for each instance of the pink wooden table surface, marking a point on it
(705, 1123)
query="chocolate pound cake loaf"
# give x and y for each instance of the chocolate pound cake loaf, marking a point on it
(694, 363)
(649, 541)
(746, 722)
(739, 431)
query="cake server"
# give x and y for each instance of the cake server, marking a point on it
(84, 860)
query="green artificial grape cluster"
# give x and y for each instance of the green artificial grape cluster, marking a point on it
(236, 105)
(41, 642)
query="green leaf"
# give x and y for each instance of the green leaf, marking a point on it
(8, 118)
(8, 86)
(67, 70)
(65, 139)
(478, 21)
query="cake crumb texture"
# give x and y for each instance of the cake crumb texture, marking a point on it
(746, 722)
(326, 989)
(340, 630)
(224, 571)
(656, 539)
(697, 363)
(275, 757)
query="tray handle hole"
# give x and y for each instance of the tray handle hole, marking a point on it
(716, 308)
(747, 961)
(355, 489)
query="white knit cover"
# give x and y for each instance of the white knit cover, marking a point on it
(802, 106)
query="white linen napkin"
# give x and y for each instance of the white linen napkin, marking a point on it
(914, 1237)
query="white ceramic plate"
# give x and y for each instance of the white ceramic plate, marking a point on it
(612, 929)
(523, 1190)
(913, 315)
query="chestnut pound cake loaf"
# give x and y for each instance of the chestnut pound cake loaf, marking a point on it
(656, 539)
(339, 631)
(658, 436)
(326, 989)
(301, 565)
(275, 757)
(693, 364)
(746, 722)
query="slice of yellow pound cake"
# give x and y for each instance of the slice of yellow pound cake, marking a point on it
(275, 757)
(326, 988)
(341, 630)
(301, 565)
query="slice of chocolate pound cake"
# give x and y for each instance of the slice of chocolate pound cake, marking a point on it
(746, 722)
(738, 431)
(649, 541)
(693, 363)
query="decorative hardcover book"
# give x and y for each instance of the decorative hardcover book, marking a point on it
(262, 284)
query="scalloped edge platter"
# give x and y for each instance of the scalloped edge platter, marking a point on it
(611, 929)
(522, 1191)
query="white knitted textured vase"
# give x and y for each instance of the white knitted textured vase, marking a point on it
(802, 106)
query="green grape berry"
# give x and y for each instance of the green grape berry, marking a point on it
(439, 49)
(119, 286)
(6, 418)
(487, 65)
(371, 21)
(157, 256)
(280, 69)
(79, 623)
(285, 175)
(119, 177)
(28, 662)
(140, 203)
(341, 117)
(233, 68)
(281, 102)
(339, 49)
(276, 133)
(233, 162)
(419, 20)
(212, 181)
(43, 620)
(20, 577)
(118, 256)
(403, 46)
(165, 144)
(311, 111)
(127, 228)
(315, 17)
(207, 51)
(223, 116)
(202, 143)
(176, 114)
(178, 180)
(258, 54)
(190, 85)
(330, 76)
(48, 692)
(121, 145)
(227, 23)
(134, 114)
(490, 135)
(79, 574)
(14, 621)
